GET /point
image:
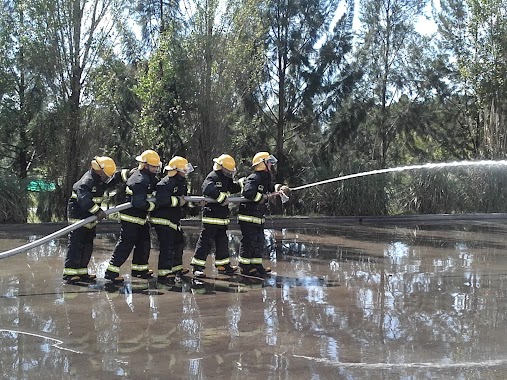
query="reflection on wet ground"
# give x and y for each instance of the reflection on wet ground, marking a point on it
(344, 302)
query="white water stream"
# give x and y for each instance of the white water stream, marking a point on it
(404, 168)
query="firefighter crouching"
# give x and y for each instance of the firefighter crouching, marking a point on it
(87, 196)
(166, 218)
(135, 229)
(219, 184)
(258, 187)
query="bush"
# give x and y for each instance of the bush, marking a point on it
(13, 200)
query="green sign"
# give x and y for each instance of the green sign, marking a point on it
(40, 185)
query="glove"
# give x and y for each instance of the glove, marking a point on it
(264, 199)
(100, 215)
(272, 195)
(225, 202)
(285, 189)
(182, 200)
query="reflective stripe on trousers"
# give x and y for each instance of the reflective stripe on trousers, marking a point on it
(132, 219)
(215, 221)
(251, 219)
(164, 222)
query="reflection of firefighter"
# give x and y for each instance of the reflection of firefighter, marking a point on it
(259, 188)
(135, 230)
(219, 184)
(167, 214)
(87, 196)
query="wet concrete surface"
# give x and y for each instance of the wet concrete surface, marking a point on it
(386, 299)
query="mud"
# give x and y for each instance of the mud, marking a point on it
(352, 298)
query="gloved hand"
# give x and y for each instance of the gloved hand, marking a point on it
(100, 215)
(264, 199)
(285, 189)
(182, 200)
(225, 202)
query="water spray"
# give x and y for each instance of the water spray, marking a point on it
(404, 168)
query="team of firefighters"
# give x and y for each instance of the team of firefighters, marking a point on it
(158, 202)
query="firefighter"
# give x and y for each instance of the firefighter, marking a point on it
(219, 184)
(87, 196)
(135, 229)
(258, 187)
(166, 218)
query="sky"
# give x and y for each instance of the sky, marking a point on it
(425, 24)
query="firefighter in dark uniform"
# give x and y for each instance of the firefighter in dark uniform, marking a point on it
(258, 187)
(219, 184)
(87, 196)
(166, 218)
(135, 229)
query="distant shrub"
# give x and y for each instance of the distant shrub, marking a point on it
(13, 200)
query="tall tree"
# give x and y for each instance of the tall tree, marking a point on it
(389, 41)
(155, 17)
(305, 70)
(22, 90)
(215, 55)
(474, 34)
(158, 91)
(76, 32)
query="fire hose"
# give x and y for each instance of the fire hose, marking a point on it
(90, 219)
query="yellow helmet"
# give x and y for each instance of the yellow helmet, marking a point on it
(149, 157)
(179, 164)
(106, 164)
(226, 162)
(260, 159)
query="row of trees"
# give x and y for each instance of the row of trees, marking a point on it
(298, 78)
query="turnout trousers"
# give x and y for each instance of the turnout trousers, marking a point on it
(132, 236)
(252, 245)
(212, 233)
(79, 251)
(171, 244)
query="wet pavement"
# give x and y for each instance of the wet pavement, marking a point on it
(377, 300)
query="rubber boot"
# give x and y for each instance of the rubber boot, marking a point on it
(226, 269)
(114, 277)
(145, 274)
(198, 271)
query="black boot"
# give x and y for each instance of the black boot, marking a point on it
(91, 278)
(262, 271)
(198, 271)
(227, 269)
(179, 274)
(248, 270)
(71, 279)
(114, 277)
(146, 274)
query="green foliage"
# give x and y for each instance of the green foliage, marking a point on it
(240, 77)
(115, 111)
(13, 199)
(158, 90)
(45, 206)
(475, 34)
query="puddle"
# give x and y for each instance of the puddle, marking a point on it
(344, 302)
